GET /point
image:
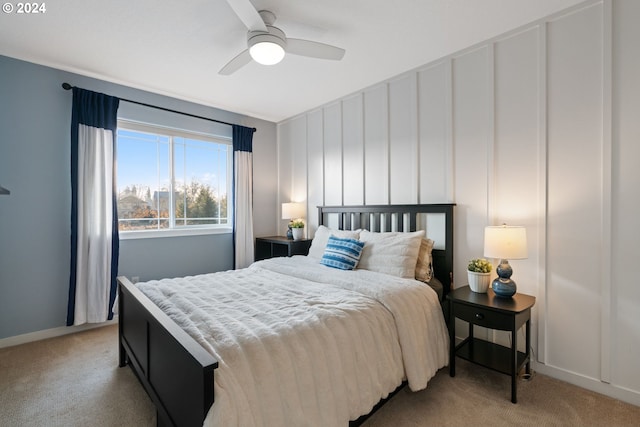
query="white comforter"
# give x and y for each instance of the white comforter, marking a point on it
(301, 344)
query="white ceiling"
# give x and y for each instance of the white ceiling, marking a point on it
(177, 47)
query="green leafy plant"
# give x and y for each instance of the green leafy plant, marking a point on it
(479, 265)
(297, 223)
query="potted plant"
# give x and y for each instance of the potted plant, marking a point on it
(479, 274)
(297, 228)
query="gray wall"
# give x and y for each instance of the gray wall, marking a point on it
(35, 116)
(158, 257)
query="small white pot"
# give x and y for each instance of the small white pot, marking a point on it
(479, 282)
(298, 233)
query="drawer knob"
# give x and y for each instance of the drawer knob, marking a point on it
(479, 316)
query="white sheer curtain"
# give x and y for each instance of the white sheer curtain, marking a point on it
(243, 196)
(94, 228)
(95, 217)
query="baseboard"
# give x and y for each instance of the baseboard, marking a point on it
(611, 390)
(52, 333)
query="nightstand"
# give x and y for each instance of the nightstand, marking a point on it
(276, 246)
(490, 311)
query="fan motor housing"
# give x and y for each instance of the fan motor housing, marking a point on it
(275, 35)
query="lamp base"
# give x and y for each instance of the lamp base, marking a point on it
(289, 233)
(503, 288)
(502, 285)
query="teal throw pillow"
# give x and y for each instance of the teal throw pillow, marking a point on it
(342, 253)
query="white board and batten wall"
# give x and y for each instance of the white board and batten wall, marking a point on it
(538, 127)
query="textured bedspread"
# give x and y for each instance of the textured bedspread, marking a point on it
(301, 344)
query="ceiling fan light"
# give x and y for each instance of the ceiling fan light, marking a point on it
(267, 53)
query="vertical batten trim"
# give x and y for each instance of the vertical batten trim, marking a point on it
(364, 164)
(292, 166)
(491, 135)
(278, 169)
(341, 106)
(364, 149)
(490, 179)
(416, 103)
(306, 172)
(415, 117)
(607, 284)
(324, 155)
(388, 88)
(543, 179)
(449, 160)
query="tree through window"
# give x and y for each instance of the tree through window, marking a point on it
(169, 179)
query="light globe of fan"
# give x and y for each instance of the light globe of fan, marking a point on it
(267, 53)
(267, 48)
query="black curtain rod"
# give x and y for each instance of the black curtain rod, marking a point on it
(67, 86)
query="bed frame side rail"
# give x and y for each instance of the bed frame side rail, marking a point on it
(174, 369)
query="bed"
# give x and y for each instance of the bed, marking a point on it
(169, 358)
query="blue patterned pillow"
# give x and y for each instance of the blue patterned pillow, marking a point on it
(342, 253)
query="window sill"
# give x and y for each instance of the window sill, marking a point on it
(152, 234)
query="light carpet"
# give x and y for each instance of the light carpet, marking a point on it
(74, 380)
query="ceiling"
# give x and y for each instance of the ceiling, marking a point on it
(177, 47)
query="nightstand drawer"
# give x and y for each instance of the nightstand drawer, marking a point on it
(485, 318)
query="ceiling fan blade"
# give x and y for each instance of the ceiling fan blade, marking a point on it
(248, 15)
(236, 63)
(314, 49)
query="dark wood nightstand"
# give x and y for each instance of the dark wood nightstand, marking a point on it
(490, 311)
(275, 246)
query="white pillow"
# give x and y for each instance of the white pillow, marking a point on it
(391, 253)
(321, 237)
(424, 265)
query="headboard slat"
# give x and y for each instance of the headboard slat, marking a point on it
(357, 221)
(413, 224)
(377, 225)
(400, 221)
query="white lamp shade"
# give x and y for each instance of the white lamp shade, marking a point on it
(505, 242)
(292, 210)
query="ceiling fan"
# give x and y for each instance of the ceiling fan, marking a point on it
(267, 44)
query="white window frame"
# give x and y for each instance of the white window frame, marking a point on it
(191, 230)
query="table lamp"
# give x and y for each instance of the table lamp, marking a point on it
(292, 211)
(505, 242)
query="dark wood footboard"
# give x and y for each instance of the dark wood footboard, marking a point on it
(174, 369)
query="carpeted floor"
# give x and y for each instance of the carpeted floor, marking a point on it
(74, 380)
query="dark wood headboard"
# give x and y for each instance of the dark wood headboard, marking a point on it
(399, 218)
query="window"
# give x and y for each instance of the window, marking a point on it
(169, 179)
